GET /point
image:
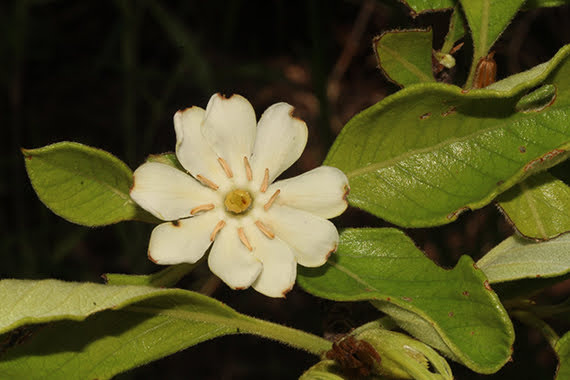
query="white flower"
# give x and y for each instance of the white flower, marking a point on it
(259, 230)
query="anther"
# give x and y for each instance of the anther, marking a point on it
(226, 167)
(271, 200)
(266, 231)
(247, 169)
(206, 207)
(243, 238)
(217, 229)
(207, 182)
(265, 182)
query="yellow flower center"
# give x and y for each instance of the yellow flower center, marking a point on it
(237, 201)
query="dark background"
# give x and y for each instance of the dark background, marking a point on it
(111, 74)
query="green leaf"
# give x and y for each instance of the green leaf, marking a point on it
(403, 357)
(122, 327)
(82, 184)
(516, 258)
(405, 56)
(419, 6)
(456, 30)
(164, 278)
(452, 310)
(487, 19)
(531, 4)
(563, 352)
(326, 370)
(538, 207)
(425, 154)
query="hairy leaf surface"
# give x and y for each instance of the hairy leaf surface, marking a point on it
(422, 156)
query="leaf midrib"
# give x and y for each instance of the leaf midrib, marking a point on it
(407, 64)
(410, 153)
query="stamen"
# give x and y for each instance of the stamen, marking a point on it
(266, 231)
(247, 169)
(271, 200)
(226, 167)
(217, 229)
(243, 238)
(265, 182)
(207, 182)
(206, 207)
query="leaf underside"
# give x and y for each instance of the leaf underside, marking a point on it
(539, 207)
(452, 310)
(102, 330)
(405, 56)
(516, 258)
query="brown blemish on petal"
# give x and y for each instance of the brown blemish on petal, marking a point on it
(284, 293)
(522, 149)
(451, 314)
(240, 288)
(464, 91)
(150, 257)
(487, 285)
(388, 299)
(450, 111)
(175, 223)
(472, 332)
(293, 114)
(133, 185)
(333, 250)
(407, 299)
(425, 116)
(475, 266)
(538, 276)
(465, 293)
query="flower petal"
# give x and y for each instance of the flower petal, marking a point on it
(168, 193)
(182, 241)
(280, 140)
(312, 238)
(229, 127)
(321, 191)
(279, 265)
(231, 261)
(192, 149)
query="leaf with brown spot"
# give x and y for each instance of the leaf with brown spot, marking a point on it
(384, 266)
(420, 173)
